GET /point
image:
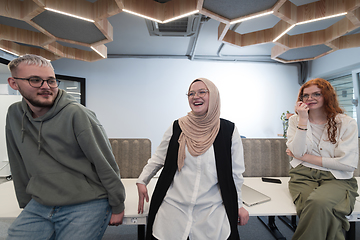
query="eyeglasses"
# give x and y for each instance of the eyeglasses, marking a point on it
(315, 95)
(200, 93)
(37, 82)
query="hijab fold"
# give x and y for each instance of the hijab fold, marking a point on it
(199, 132)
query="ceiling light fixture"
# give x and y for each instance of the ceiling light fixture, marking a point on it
(252, 17)
(309, 21)
(181, 16)
(98, 52)
(323, 18)
(2, 49)
(143, 16)
(68, 14)
(291, 27)
(159, 21)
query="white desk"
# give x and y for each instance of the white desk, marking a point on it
(131, 202)
(9, 207)
(281, 202)
(279, 205)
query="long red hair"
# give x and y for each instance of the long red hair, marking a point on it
(331, 104)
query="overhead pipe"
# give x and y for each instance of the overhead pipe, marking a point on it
(196, 37)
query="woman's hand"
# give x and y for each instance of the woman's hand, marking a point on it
(302, 110)
(317, 160)
(289, 153)
(142, 191)
(243, 216)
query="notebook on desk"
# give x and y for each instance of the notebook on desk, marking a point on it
(251, 197)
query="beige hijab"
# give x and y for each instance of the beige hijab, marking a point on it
(199, 132)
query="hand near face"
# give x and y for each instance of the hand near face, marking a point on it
(302, 109)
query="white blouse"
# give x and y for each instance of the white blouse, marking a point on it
(193, 205)
(341, 158)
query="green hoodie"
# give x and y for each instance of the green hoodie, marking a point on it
(63, 157)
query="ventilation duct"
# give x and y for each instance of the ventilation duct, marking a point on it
(184, 27)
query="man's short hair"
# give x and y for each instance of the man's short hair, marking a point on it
(29, 59)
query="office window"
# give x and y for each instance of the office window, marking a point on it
(75, 86)
(345, 92)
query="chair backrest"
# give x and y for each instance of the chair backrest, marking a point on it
(267, 158)
(131, 155)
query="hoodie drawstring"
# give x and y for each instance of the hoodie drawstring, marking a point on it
(39, 139)
(22, 128)
(23, 132)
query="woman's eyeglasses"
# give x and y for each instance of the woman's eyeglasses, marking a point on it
(200, 93)
(315, 95)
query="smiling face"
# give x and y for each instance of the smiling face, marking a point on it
(314, 99)
(39, 99)
(199, 105)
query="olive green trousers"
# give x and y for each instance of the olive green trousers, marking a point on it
(322, 202)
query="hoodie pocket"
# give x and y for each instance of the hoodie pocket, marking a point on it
(63, 188)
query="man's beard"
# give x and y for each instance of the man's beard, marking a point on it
(35, 102)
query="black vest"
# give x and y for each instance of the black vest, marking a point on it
(222, 149)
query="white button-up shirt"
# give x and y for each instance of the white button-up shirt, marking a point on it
(341, 159)
(193, 204)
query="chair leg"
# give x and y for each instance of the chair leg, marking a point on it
(141, 232)
(271, 226)
(290, 223)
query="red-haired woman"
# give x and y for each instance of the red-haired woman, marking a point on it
(324, 145)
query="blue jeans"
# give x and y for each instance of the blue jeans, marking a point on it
(79, 221)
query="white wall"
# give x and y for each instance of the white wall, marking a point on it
(139, 98)
(5, 102)
(336, 63)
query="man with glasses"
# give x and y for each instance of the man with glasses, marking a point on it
(64, 172)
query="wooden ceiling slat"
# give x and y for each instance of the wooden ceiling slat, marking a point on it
(104, 9)
(176, 8)
(148, 8)
(100, 10)
(338, 29)
(214, 16)
(222, 29)
(79, 8)
(23, 36)
(287, 12)
(354, 17)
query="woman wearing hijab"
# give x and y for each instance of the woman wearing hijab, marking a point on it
(324, 145)
(198, 193)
